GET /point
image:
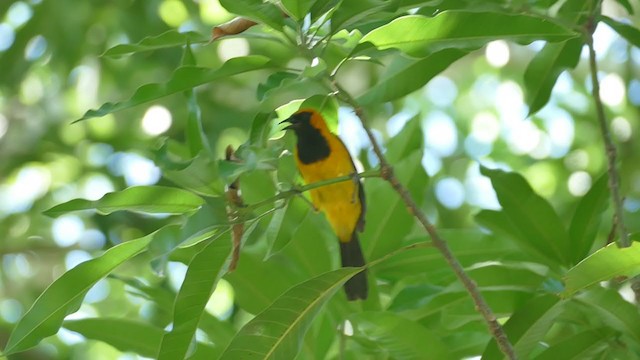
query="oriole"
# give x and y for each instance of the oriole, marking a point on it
(321, 155)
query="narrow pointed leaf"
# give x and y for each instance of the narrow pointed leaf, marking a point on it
(297, 8)
(171, 38)
(531, 214)
(586, 220)
(604, 264)
(123, 334)
(629, 32)
(545, 68)
(527, 326)
(583, 345)
(64, 295)
(408, 75)
(420, 36)
(398, 336)
(613, 310)
(145, 199)
(204, 271)
(277, 332)
(184, 78)
(263, 12)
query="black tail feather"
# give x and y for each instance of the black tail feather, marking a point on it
(351, 254)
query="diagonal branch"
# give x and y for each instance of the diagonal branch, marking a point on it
(438, 242)
(610, 148)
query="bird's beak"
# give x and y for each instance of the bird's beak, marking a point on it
(286, 127)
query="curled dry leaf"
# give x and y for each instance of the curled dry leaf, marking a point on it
(231, 27)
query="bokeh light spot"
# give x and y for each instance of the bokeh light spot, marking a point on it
(497, 53)
(220, 303)
(450, 193)
(10, 310)
(173, 12)
(67, 230)
(485, 127)
(35, 48)
(156, 120)
(621, 128)
(7, 36)
(579, 183)
(441, 91)
(440, 133)
(612, 90)
(232, 48)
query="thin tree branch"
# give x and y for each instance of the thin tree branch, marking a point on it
(610, 148)
(297, 190)
(438, 242)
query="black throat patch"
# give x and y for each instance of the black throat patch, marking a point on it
(312, 146)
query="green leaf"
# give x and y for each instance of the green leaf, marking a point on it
(545, 68)
(260, 130)
(398, 336)
(284, 224)
(531, 214)
(167, 39)
(65, 295)
(277, 332)
(351, 12)
(297, 8)
(274, 81)
(586, 219)
(608, 306)
(200, 176)
(263, 12)
(123, 334)
(386, 226)
(145, 199)
(421, 36)
(527, 326)
(627, 6)
(404, 76)
(184, 78)
(500, 224)
(629, 32)
(204, 271)
(583, 345)
(604, 264)
(408, 140)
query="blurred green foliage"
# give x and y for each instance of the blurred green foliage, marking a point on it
(496, 142)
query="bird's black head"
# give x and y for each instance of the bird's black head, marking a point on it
(299, 122)
(312, 145)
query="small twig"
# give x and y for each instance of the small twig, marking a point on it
(610, 148)
(296, 191)
(233, 196)
(439, 243)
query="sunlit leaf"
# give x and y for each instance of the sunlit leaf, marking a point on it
(285, 222)
(297, 8)
(184, 78)
(263, 12)
(123, 334)
(204, 271)
(145, 199)
(167, 39)
(64, 295)
(407, 75)
(421, 36)
(277, 332)
(604, 264)
(545, 68)
(200, 176)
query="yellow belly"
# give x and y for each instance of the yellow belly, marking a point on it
(339, 202)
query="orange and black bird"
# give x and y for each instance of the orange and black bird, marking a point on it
(321, 155)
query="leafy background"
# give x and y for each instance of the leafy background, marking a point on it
(495, 141)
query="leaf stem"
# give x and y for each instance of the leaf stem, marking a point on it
(438, 242)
